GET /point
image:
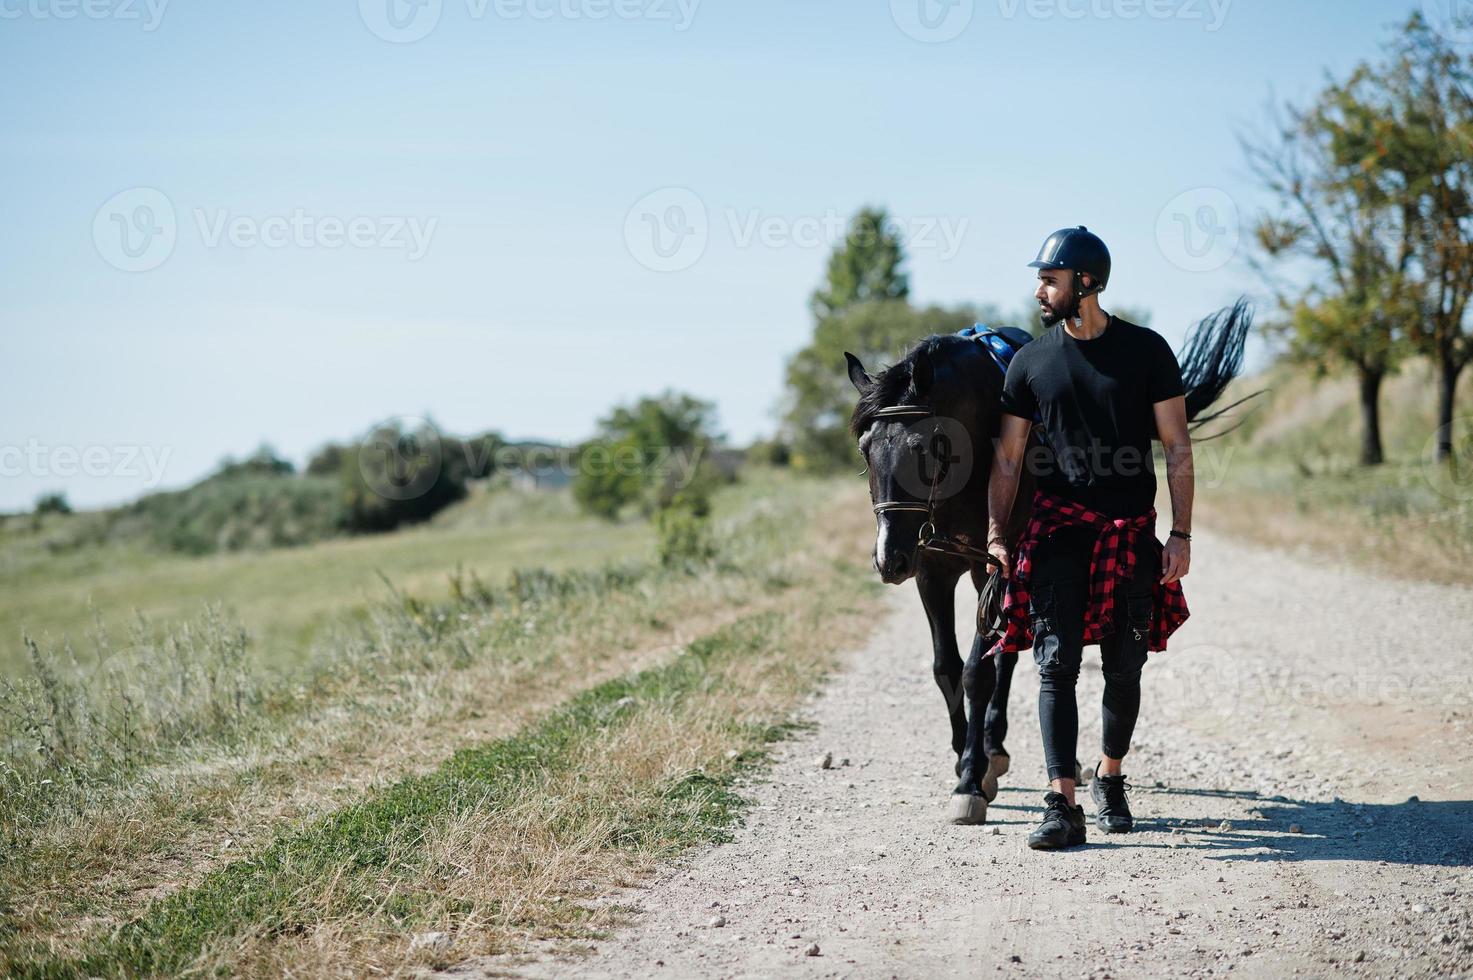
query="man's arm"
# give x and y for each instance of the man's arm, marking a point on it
(1171, 425)
(1002, 484)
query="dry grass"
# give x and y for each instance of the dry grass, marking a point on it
(112, 860)
(1390, 518)
(1289, 478)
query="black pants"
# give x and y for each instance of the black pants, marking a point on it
(1060, 594)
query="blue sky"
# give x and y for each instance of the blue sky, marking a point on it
(282, 221)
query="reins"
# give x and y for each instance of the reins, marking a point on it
(929, 538)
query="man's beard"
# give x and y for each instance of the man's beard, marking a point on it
(1070, 310)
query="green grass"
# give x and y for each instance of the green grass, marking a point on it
(342, 771)
(285, 597)
(278, 891)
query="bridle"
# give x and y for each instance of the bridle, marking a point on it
(928, 538)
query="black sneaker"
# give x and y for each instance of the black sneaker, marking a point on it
(1062, 825)
(1112, 812)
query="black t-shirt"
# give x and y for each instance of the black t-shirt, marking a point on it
(1095, 399)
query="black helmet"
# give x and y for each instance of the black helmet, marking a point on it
(1078, 249)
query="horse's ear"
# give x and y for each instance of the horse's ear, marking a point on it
(921, 372)
(856, 373)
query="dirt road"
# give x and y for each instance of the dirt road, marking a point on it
(1303, 772)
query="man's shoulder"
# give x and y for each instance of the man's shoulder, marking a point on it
(1032, 349)
(1140, 334)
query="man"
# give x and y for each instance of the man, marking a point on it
(1089, 568)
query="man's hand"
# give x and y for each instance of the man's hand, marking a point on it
(1171, 425)
(1176, 559)
(999, 550)
(1002, 485)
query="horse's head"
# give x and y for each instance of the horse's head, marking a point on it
(924, 427)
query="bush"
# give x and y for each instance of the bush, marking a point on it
(327, 461)
(770, 452)
(52, 503)
(237, 513)
(644, 454)
(397, 476)
(683, 528)
(683, 537)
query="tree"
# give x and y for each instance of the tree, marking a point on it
(865, 268)
(398, 475)
(1409, 123)
(647, 453)
(819, 396)
(53, 503)
(1352, 239)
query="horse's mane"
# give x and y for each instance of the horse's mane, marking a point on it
(893, 385)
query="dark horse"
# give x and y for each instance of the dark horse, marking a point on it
(927, 427)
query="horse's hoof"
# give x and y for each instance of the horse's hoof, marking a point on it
(996, 766)
(1081, 774)
(968, 809)
(1000, 763)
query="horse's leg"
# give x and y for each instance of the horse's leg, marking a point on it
(976, 786)
(995, 725)
(996, 728)
(937, 587)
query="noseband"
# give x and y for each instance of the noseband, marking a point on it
(928, 538)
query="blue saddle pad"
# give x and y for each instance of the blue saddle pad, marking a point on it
(1001, 343)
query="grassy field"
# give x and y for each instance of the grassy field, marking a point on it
(480, 760)
(1289, 478)
(284, 597)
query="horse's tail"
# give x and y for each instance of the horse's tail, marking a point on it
(1211, 359)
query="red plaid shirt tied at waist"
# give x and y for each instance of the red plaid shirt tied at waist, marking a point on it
(1111, 563)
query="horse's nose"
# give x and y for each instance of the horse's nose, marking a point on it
(899, 565)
